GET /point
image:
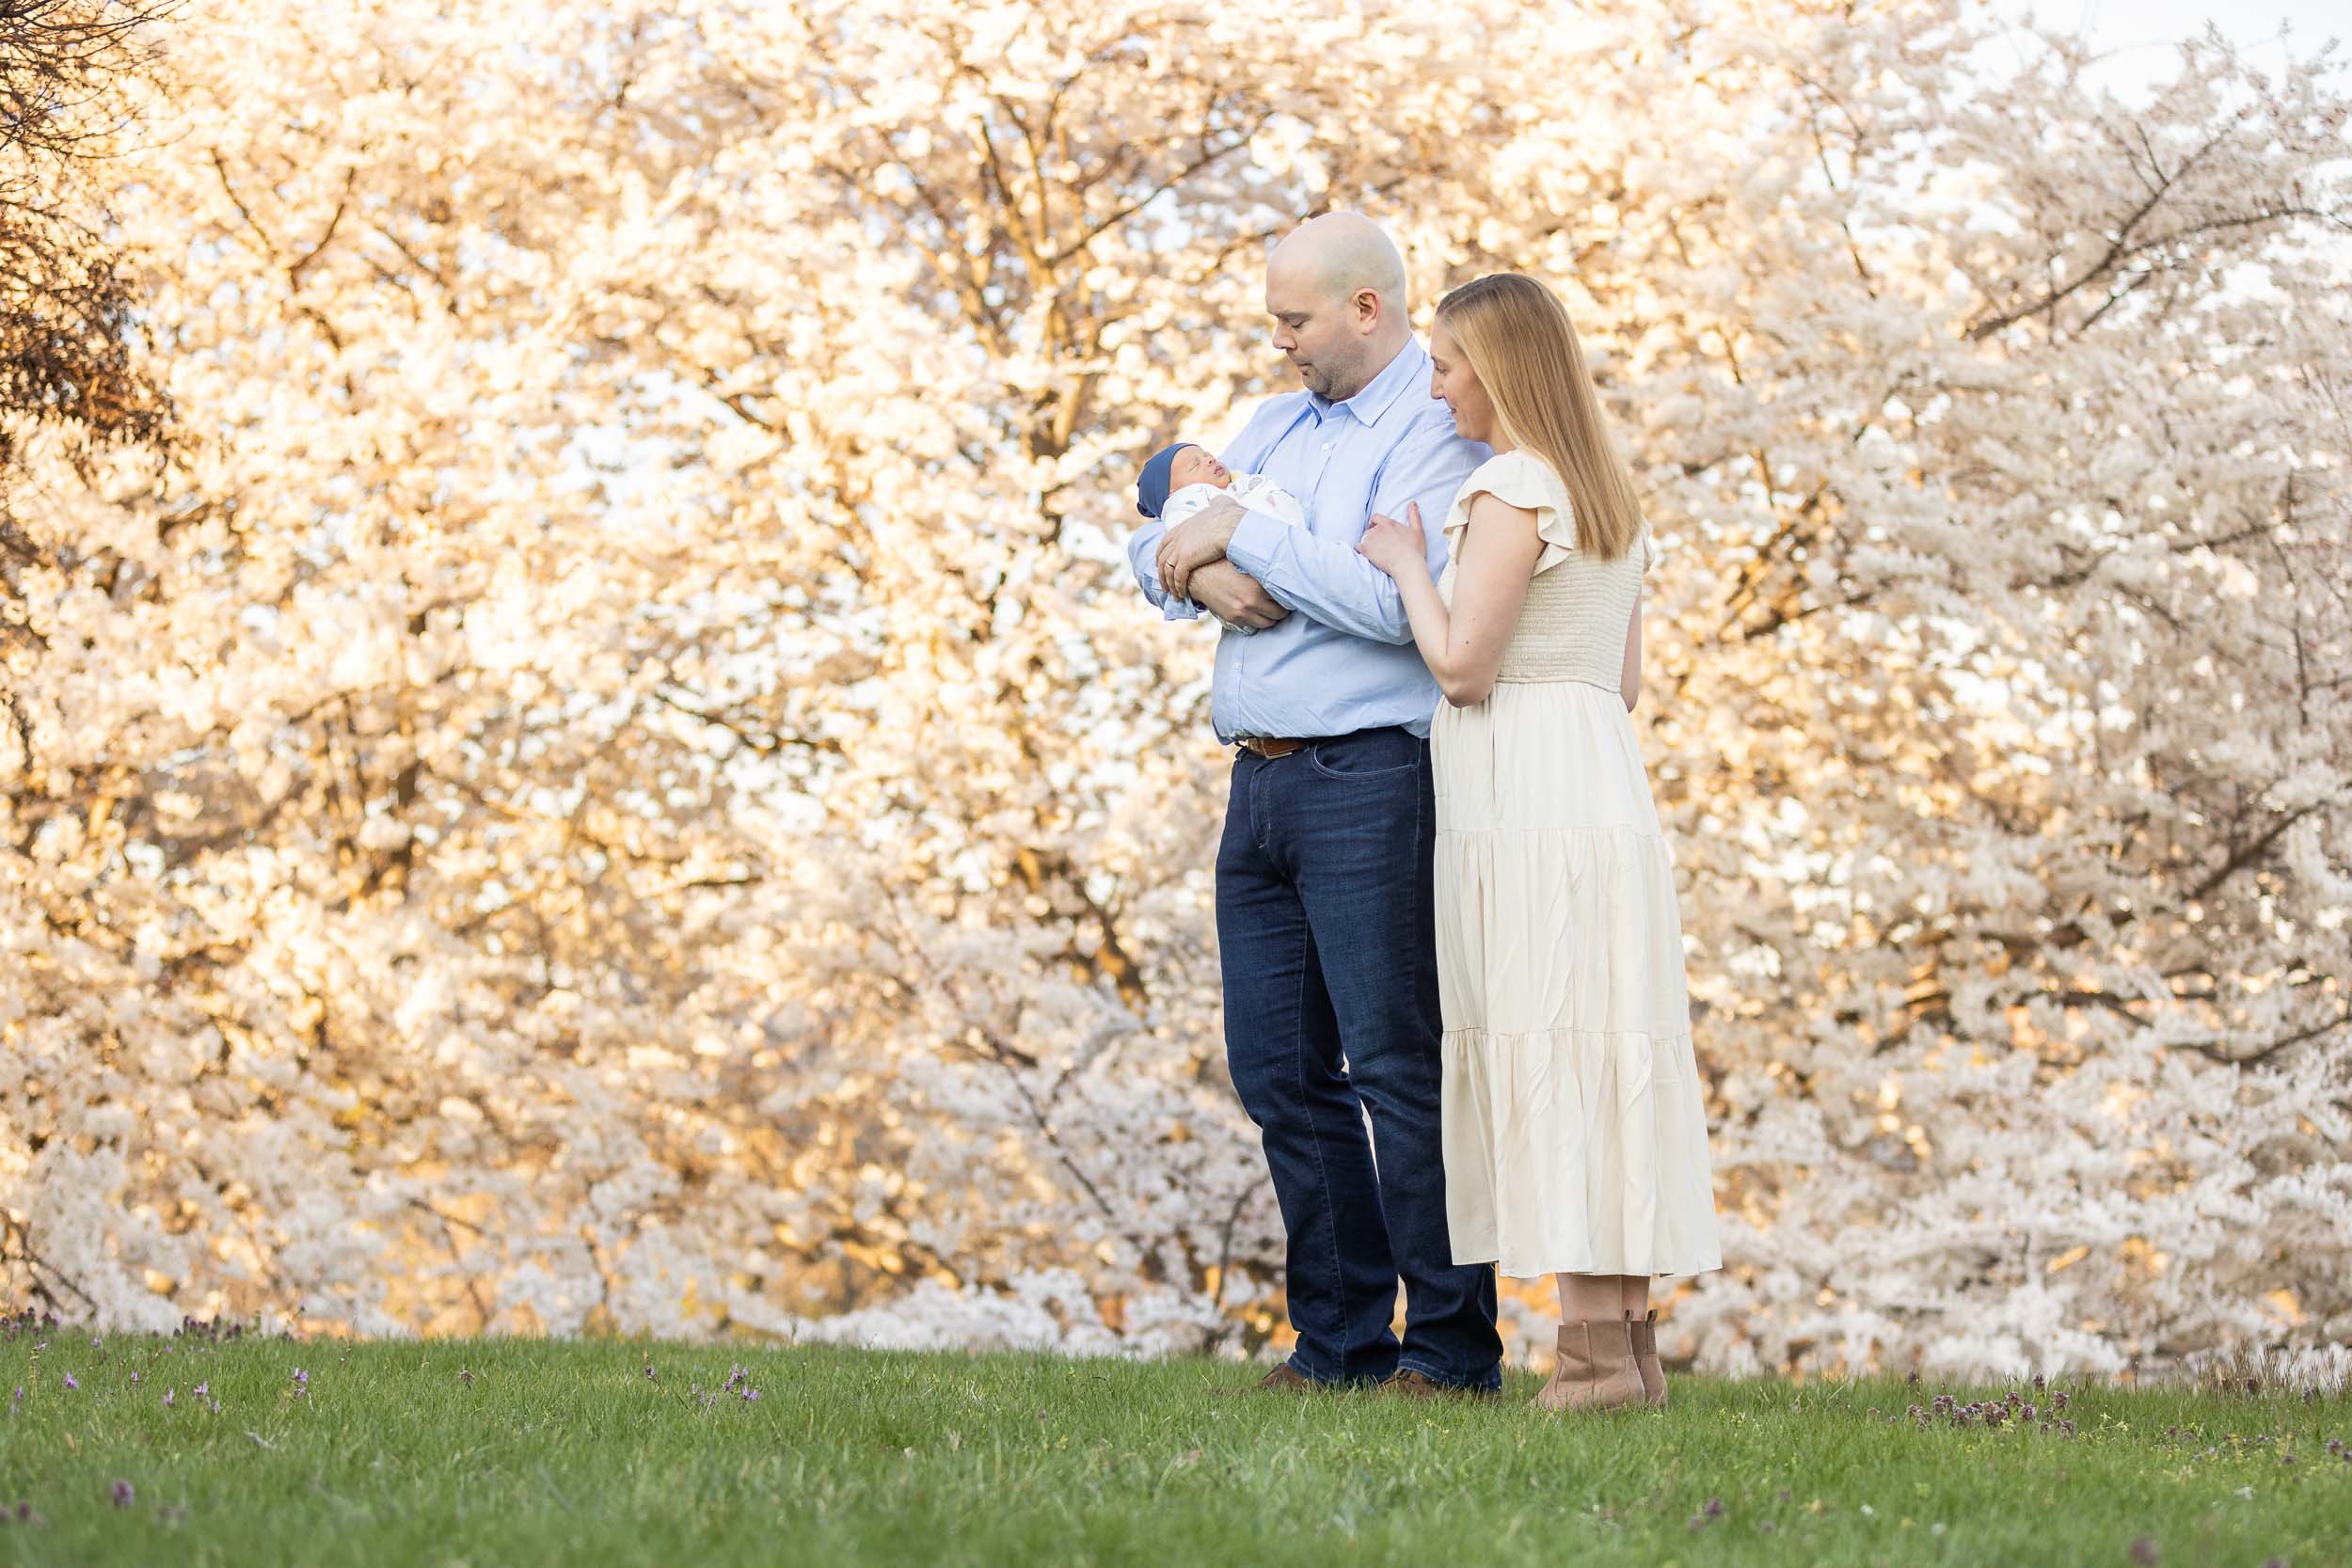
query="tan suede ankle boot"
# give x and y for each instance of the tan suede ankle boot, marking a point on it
(1594, 1370)
(1645, 1358)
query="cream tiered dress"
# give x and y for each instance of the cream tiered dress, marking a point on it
(1575, 1134)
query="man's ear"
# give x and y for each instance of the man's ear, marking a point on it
(1367, 303)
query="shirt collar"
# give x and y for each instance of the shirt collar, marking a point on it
(1382, 392)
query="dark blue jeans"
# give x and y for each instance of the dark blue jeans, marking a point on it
(1324, 915)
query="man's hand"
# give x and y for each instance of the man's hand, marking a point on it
(1194, 542)
(1234, 596)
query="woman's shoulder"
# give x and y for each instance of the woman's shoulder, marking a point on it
(1520, 478)
(1524, 479)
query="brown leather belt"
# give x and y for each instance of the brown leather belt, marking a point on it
(1266, 747)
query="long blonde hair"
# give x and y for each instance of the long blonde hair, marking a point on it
(1519, 342)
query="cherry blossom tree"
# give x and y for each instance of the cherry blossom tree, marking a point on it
(66, 319)
(617, 782)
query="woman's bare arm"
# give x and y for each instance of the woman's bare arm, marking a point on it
(1629, 678)
(1464, 646)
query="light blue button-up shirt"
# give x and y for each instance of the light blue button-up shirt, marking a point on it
(1344, 660)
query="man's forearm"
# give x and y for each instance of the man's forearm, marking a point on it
(1328, 582)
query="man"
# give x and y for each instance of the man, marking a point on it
(1323, 879)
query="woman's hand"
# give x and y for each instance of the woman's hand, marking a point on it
(1397, 548)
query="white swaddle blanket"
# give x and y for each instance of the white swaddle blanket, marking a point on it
(1254, 491)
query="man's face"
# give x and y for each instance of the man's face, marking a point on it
(1319, 333)
(1196, 466)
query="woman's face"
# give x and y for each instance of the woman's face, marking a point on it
(1452, 379)
(1196, 466)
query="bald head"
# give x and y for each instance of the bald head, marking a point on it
(1337, 254)
(1335, 287)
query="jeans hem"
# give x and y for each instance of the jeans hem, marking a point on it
(1300, 1364)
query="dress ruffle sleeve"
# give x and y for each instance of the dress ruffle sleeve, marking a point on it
(1523, 481)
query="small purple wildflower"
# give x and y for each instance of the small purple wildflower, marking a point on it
(202, 1389)
(122, 1494)
(168, 1397)
(649, 1377)
(134, 1380)
(70, 1380)
(1714, 1508)
(216, 1407)
(24, 1512)
(20, 1395)
(750, 1393)
(301, 1383)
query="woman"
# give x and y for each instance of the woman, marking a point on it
(1574, 1133)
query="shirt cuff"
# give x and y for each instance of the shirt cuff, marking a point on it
(1252, 544)
(1174, 609)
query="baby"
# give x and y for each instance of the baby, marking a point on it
(1182, 479)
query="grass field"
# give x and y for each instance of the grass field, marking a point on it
(196, 1451)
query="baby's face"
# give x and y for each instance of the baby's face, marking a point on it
(1196, 466)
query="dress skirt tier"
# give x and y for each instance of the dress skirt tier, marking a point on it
(1574, 1126)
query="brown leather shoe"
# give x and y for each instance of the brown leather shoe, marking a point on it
(1421, 1385)
(1645, 1361)
(1412, 1385)
(1594, 1370)
(1284, 1379)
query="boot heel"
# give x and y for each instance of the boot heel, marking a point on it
(1595, 1369)
(1645, 1361)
